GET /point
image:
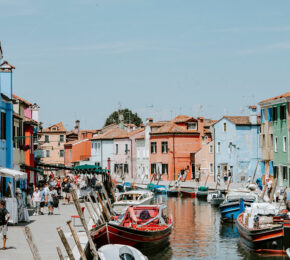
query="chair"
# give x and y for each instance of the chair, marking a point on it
(74, 217)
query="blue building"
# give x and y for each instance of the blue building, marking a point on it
(237, 146)
(6, 118)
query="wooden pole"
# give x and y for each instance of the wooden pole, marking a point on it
(273, 190)
(59, 253)
(97, 211)
(65, 243)
(103, 207)
(107, 198)
(33, 248)
(263, 191)
(77, 241)
(82, 218)
(90, 213)
(206, 180)
(230, 179)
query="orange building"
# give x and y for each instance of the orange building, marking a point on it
(173, 147)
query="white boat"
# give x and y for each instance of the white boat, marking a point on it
(122, 252)
(215, 198)
(132, 198)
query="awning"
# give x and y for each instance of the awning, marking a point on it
(5, 172)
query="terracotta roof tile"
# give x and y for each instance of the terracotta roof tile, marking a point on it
(158, 124)
(21, 99)
(181, 119)
(172, 128)
(140, 137)
(278, 97)
(114, 133)
(59, 125)
(240, 120)
(209, 122)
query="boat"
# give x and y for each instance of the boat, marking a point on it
(235, 203)
(129, 198)
(122, 252)
(160, 189)
(288, 252)
(188, 193)
(264, 231)
(202, 192)
(172, 192)
(144, 227)
(215, 198)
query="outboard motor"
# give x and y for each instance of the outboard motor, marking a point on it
(125, 253)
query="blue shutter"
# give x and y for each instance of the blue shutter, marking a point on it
(263, 168)
(270, 114)
(271, 168)
(262, 115)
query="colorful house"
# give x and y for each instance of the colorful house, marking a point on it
(51, 141)
(237, 146)
(6, 122)
(173, 147)
(275, 113)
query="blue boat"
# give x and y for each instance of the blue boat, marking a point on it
(235, 204)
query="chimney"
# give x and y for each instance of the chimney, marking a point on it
(77, 126)
(253, 114)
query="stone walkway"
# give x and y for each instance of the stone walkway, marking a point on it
(44, 232)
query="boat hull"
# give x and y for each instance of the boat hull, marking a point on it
(120, 207)
(202, 194)
(231, 210)
(217, 201)
(143, 240)
(266, 240)
(186, 193)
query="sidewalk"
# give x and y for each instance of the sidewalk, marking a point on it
(44, 233)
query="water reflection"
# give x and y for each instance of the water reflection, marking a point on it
(199, 234)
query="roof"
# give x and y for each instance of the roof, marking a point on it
(22, 100)
(285, 95)
(17, 116)
(240, 120)
(76, 141)
(6, 66)
(140, 137)
(172, 128)
(158, 124)
(137, 131)
(60, 128)
(182, 119)
(209, 122)
(30, 121)
(112, 134)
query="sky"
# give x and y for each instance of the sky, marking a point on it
(83, 59)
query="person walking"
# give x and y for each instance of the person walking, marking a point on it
(36, 199)
(51, 196)
(43, 199)
(4, 219)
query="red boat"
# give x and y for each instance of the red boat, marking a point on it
(143, 227)
(188, 193)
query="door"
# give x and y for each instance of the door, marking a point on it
(193, 171)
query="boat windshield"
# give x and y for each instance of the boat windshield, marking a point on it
(129, 197)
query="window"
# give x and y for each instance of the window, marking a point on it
(275, 172)
(270, 114)
(192, 126)
(262, 115)
(219, 170)
(275, 144)
(164, 168)
(263, 141)
(61, 138)
(211, 167)
(284, 144)
(271, 140)
(117, 148)
(275, 114)
(98, 146)
(230, 147)
(225, 127)
(218, 147)
(47, 153)
(283, 112)
(46, 138)
(210, 148)
(284, 169)
(153, 168)
(126, 168)
(3, 126)
(61, 153)
(164, 147)
(153, 147)
(54, 128)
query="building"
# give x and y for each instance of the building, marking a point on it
(6, 120)
(237, 146)
(173, 147)
(275, 137)
(51, 142)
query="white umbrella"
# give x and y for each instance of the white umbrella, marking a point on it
(5, 172)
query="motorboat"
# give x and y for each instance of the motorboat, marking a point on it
(202, 192)
(144, 227)
(264, 228)
(118, 251)
(215, 198)
(235, 203)
(129, 198)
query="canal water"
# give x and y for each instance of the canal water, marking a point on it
(199, 234)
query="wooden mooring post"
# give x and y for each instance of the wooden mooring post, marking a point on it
(65, 243)
(33, 248)
(76, 239)
(90, 213)
(82, 218)
(59, 253)
(97, 209)
(105, 211)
